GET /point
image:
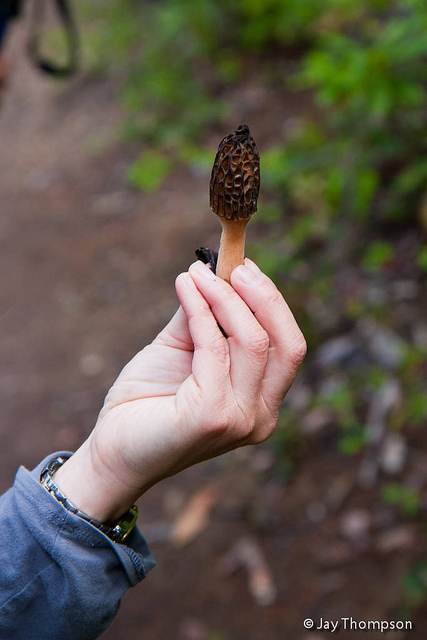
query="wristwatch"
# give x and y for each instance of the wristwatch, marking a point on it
(118, 532)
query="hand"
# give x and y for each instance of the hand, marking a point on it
(192, 394)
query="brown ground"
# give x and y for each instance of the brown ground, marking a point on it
(88, 270)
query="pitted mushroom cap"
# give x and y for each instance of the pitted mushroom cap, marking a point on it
(235, 179)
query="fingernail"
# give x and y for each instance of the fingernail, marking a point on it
(247, 275)
(185, 276)
(252, 266)
(202, 270)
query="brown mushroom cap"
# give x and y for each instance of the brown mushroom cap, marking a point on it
(235, 179)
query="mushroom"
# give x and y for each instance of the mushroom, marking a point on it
(234, 189)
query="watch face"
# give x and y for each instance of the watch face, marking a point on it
(126, 524)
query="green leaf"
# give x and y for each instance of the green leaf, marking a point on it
(416, 407)
(406, 498)
(414, 584)
(150, 170)
(377, 256)
(422, 259)
(351, 443)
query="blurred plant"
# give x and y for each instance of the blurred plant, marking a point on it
(415, 584)
(412, 376)
(112, 32)
(414, 588)
(422, 259)
(286, 442)
(377, 256)
(342, 400)
(406, 498)
(363, 60)
(371, 79)
(149, 170)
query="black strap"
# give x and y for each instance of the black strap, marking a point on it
(71, 34)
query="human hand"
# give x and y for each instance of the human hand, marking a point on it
(191, 394)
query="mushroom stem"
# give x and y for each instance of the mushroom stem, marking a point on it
(232, 247)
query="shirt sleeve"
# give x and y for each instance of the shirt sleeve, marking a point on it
(60, 577)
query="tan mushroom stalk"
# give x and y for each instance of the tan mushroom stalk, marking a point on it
(234, 189)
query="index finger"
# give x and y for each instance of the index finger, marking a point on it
(211, 360)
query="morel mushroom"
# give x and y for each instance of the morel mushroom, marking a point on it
(234, 189)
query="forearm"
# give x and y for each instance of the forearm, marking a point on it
(60, 576)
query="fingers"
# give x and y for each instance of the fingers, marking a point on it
(211, 361)
(287, 345)
(247, 340)
(264, 349)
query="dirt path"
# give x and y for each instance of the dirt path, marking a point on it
(88, 263)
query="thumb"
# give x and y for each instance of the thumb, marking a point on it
(176, 333)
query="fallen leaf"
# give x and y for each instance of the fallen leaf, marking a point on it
(247, 553)
(195, 516)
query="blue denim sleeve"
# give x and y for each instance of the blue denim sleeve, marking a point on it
(59, 576)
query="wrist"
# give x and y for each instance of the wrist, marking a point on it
(117, 531)
(91, 489)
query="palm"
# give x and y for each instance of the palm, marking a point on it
(159, 370)
(155, 392)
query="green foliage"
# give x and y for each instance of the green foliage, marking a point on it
(149, 170)
(270, 260)
(371, 79)
(417, 407)
(422, 259)
(363, 61)
(341, 399)
(377, 256)
(406, 498)
(259, 23)
(353, 442)
(412, 376)
(199, 158)
(111, 34)
(414, 585)
(286, 442)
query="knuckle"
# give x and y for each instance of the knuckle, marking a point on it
(218, 423)
(274, 298)
(261, 436)
(203, 310)
(219, 347)
(258, 343)
(215, 429)
(263, 433)
(227, 292)
(243, 426)
(298, 351)
(246, 431)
